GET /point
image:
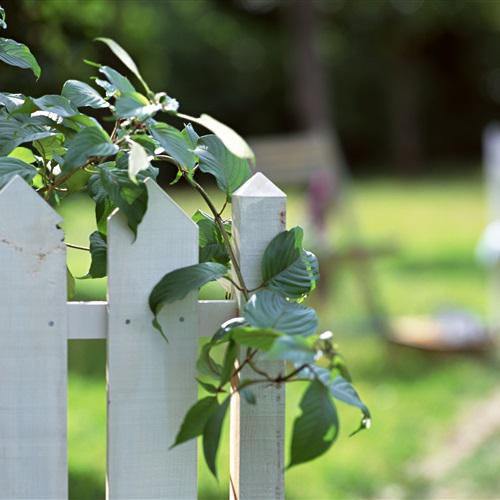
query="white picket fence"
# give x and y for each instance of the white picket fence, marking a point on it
(150, 384)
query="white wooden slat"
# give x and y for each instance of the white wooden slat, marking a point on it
(212, 313)
(151, 384)
(87, 320)
(33, 374)
(257, 431)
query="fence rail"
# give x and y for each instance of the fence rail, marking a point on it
(150, 384)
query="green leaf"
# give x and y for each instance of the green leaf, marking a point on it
(315, 372)
(56, 104)
(17, 54)
(268, 309)
(125, 58)
(104, 206)
(109, 88)
(11, 101)
(50, 147)
(113, 187)
(9, 167)
(212, 433)
(147, 142)
(135, 105)
(211, 241)
(287, 268)
(103, 209)
(190, 135)
(342, 390)
(228, 365)
(206, 365)
(14, 132)
(3, 24)
(257, 338)
(229, 171)
(83, 95)
(137, 161)
(98, 253)
(196, 419)
(295, 349)
(119, 83)
(79, 121)
(233, 141)
(315, 430)
(90, 141)
(174, 143)
(177, 284)
(208, 387)
(23, 154)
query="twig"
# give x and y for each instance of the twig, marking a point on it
(220, 224)
(77, 247)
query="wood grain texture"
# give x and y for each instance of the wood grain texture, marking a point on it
(151, 384)
(89, 320)
(257, 431)
(33, 374)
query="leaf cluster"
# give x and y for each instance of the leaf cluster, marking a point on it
(275, 325)
(106, 139)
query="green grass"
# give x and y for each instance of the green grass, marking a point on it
(476, 477)
(413, 397)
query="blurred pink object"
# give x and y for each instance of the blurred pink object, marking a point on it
(321, 196)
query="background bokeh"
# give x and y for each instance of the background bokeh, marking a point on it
(410, 83)
(406, 87)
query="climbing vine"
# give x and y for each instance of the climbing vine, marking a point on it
(59, 149)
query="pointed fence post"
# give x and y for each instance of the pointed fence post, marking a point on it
(257, 431)
(33, 339)
(151, 384)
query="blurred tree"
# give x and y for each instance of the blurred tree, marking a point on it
(414, 81)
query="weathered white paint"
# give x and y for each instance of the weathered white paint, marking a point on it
(257, 432)
(151, 384)
(212, 313)
(89, 320)
(33, 341)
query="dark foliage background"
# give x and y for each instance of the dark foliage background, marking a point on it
(410, 84)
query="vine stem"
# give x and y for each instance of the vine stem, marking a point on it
(292, 374)
(220, 224)
(77, 247)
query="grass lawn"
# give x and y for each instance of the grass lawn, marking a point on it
(414, 397)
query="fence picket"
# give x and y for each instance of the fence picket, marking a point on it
(33, 339)
(257, 432)
(150, 383)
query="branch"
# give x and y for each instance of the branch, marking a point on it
(77, 247)
(220, 224)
